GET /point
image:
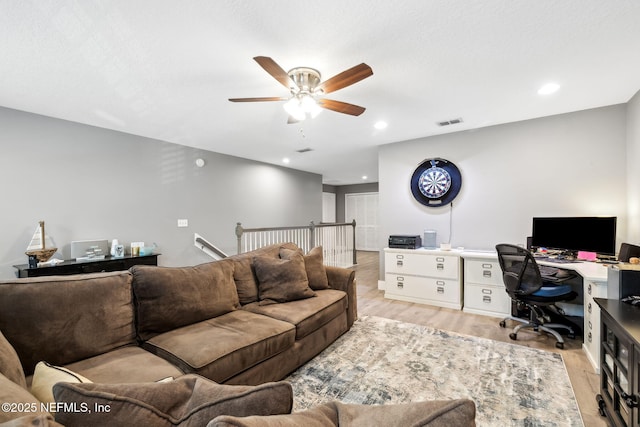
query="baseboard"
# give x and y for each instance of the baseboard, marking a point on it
(381, 285)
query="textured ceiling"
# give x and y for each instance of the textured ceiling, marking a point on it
(164, 69)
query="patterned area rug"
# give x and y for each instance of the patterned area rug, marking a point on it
(385, 361)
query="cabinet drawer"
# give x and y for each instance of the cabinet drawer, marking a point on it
(428, 288)
(421, 264)
(485, 272)
(487, 298)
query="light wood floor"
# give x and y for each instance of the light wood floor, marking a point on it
(371, 302)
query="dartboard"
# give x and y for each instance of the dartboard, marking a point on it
(436, 182)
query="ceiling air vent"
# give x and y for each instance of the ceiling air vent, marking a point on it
(450, 122)
(304, 150)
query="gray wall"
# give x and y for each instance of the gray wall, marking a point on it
(93, 183)
(565, 165)
(633, 171)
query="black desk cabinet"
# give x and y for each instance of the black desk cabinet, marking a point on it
(619, 396)
(79, 267)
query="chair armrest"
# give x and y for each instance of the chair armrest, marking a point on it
(344, 279)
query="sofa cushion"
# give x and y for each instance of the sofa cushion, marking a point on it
(10, 365)
(282, 280)
(62, 319)
(244, 274)
(171, 297)
(18, 401)
(187, 401)
(129, 364)
(46, 375)
(308, 314)
(437, 413)
(224, 346)
(314, 266)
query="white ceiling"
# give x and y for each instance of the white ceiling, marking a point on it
(165, 68)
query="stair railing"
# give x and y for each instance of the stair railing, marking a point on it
(338, 240)
(207, 247)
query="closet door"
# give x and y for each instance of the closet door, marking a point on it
(328, 207)
(363, 207)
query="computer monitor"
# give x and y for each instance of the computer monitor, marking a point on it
(591, 234)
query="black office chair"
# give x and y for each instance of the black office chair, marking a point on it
(526, 287)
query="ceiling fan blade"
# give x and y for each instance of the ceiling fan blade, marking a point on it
(268, 98)
(341, 107)
(346, 78)
(276, 71)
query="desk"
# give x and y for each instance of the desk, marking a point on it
(410, 275)
(594, 285)
(78, 267)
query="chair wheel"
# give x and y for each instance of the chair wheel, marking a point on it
(503, 324)
(560, 345)
(513, 336)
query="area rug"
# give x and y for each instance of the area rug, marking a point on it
(382, 361)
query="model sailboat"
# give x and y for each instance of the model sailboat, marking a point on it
(41, 245)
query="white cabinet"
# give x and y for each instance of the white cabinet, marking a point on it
(484, 291)
(423, 276)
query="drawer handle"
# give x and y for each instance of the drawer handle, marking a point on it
(439, 282)
(590, 325)
(399, 263)
(590, 337)
(486, 299)
(589, 307)
(440, 259)
(400, 285)
(486, 273)
(487, 266)
(440, 290)
(589, 289)
(487, 291)
(400, 256)
(440, 266)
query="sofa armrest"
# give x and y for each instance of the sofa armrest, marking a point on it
(344, 279)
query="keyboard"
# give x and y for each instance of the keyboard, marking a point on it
(547, 271)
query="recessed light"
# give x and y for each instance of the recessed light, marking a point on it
(548, 89)
(286, 160)
(364, 176)
(380, 125)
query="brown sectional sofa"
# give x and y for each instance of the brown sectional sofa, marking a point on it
(151, 323)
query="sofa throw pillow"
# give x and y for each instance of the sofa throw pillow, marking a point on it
(21, 405)
(436, 413)
(10, 365)
(313, 265)
(46, 375)
(282, 280)
(190, 400)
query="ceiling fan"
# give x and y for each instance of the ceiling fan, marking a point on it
(307, 89)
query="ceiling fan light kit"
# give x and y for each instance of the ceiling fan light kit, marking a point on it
(306, 88)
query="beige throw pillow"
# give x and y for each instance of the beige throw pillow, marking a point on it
(46, 375)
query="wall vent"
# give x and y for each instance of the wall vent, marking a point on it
(450, 122)
(304, 150)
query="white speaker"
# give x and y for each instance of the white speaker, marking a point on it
(429, 240)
